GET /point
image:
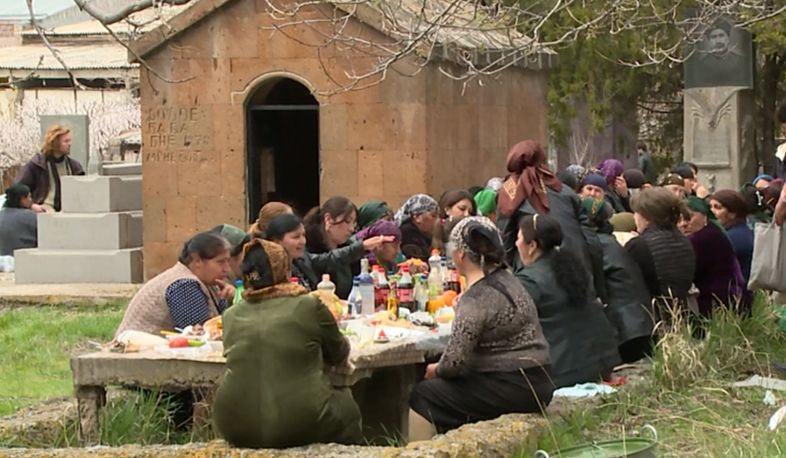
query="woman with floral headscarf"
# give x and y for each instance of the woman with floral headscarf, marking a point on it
(531, 189)
(617, 196)
(276, 343)
(497, 359)
(718, 275)
(416, 219)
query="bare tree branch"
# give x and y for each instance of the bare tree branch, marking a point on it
(54, 52)
(122, 12)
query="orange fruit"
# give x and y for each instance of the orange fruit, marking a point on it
(448, 297)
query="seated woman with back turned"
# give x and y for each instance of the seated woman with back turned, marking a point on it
(497, 360)
(18, 223)
(190, 292)
(276, 342)
(581, 339)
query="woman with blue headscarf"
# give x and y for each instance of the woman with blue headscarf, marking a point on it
(718, 275)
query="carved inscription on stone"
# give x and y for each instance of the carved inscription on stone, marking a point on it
(171, 129)
(710, 114)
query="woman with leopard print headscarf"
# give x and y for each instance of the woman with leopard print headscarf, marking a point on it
(276, 343)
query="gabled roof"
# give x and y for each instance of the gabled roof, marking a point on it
(468, 35)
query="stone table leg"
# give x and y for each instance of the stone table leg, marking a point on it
(384, 403)
(90, 400)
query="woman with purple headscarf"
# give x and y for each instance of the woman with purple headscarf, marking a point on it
(388, 255)
(618, 196)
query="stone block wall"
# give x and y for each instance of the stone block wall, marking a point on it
(389, 140)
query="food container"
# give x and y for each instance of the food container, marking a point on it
(629, 447)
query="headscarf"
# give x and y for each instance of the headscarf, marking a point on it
(414, 206)
(598, 214)
(486, 201)
(528, 178)
(233, 234)
(733, 201)
(576, 169)
(763, 176)
(702, 206)
(371, 212)
(461, 236)
(634, 178)
(595, 180)
(623, 222)
(673, 178)
(14, 195)
(381, 227)
(611, 169)
(267, 272)
(569, 179)
(495, 184)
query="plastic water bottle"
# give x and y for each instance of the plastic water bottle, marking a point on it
(355, 300)
(238, 292)
(327, 288)
(436, 278)
(366, 288)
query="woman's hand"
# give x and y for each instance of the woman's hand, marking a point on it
(37, 208)
(226, 290)
(431, 371)
(417, 266)
(701, 191)
(621, 186)
(375, 242)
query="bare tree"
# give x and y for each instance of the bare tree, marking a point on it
(483, 37)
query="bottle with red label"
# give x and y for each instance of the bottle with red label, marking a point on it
(455, 282)
(382, 290)
(406, 290)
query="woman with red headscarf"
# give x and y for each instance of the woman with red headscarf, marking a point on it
(530, 188)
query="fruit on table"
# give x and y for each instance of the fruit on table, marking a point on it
(196, 343)
(178, 342)
(448, 296)
(333, 304)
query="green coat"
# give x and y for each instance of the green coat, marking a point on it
(275, 393)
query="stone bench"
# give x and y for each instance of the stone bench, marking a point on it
(499, 438)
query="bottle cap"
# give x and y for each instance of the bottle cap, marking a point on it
(294, 280)
(325, 277)
(435, 251)
(405, 268)
(238, 282)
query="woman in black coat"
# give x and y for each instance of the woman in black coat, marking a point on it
(580, 337)
(629, 307)
(531, 189)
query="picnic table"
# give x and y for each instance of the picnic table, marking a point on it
(381, 377)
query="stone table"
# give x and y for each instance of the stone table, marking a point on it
(381, 377)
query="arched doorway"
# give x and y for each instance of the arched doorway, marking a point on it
(282, 146)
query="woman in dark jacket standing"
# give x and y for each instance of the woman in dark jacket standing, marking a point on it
(618, 196)
(532, 189)
(663, 254)
(43, 171)
(581, 339)
(731, 210)
(629, 306)
(18, 223)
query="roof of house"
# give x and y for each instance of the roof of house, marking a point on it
(467, 35)
(16, 10)
(85, 61)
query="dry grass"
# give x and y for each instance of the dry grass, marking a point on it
(688, 396)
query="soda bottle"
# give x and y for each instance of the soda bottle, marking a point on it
(455, 283)
(238, 292)
(355, 300)
(391, 304)
(295, 281)
(406, 290)
(383, 291)
(366, 288)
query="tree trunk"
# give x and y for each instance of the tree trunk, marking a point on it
(771, 74)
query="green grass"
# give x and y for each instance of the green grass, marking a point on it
(688, 396)
(36, 344)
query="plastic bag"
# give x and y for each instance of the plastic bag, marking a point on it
(768, 270)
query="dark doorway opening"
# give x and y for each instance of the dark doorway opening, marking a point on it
(282, 125)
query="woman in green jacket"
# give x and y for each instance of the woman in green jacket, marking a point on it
(276, 342)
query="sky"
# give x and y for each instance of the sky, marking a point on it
(18, 8)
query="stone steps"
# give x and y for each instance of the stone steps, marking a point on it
(90, 231)
(39, 265)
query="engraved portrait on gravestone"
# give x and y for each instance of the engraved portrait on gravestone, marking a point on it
(722, 58)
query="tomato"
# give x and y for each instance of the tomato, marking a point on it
(178, 342)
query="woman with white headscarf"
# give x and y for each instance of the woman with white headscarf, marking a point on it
(416, 219)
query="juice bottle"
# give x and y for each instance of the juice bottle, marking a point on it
(392, 301)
